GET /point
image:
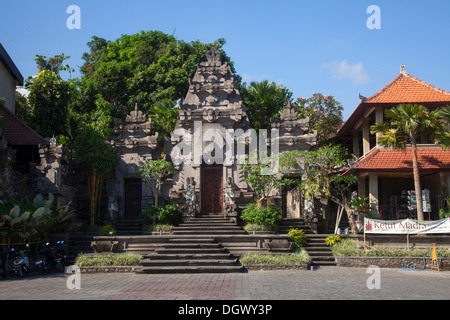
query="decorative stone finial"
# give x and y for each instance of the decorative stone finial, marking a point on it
(402, 69)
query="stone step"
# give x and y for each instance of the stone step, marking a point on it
(190, 269)
(209, 232)
(319, 253)
(207, 227)
(189, 250)
(185, 256)
(200, 245)
(188, 262)
(192, 240)
(207, 224)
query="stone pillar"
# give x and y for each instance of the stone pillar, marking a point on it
(356, 150)
(379, 119)
(362, 186)
(366, 136)
(373, 194)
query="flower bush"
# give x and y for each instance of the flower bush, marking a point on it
(333, 240)
(299, 237)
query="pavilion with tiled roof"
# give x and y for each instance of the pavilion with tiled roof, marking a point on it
(20, 137)
(385, 175)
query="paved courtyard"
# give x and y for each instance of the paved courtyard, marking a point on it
(325, 283)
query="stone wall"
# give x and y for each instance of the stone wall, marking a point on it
(390, 262)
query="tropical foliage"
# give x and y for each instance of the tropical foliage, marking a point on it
(324, 114)
(262, 101)
(268, 216)
(30, 221)
(405, 124)
(298, 236)
(48, 99)
(322, 176)
(154, 171)
(143, 68)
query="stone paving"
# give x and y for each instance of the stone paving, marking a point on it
(325, 283)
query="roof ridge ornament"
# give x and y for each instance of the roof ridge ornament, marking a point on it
(213, 56)
(402, 69)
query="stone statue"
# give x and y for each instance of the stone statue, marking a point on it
(190, 195)
(113, 208)
(229, 191)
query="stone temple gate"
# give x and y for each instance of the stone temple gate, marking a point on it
(208, 179)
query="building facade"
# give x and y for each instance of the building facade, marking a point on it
(385, 175)
(211, 135)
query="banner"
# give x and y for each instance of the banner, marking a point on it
(406, 226)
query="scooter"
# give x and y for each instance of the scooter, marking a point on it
(43, 261)
(21, 262)
(59, 256)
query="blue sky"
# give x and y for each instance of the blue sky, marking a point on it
(308, 46)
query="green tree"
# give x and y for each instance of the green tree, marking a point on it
(154, 171)
(164, 114)
(23, 109)
(262, 101)
(324, 113)
(143, 68)
(87, 145)
(260, 176)
(405, 124)
(321, 176)
(49, 96)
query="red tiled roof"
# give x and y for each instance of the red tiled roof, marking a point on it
(408, 89)
(403, 89)
(18, 133)
(386, 159)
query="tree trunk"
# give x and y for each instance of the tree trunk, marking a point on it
(94, 188)
(348, 210)
(417, 186)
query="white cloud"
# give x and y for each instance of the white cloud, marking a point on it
(343, 70)
(258, 78)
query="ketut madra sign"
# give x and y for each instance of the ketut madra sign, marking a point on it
(406, 226)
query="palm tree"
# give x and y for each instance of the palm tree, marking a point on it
(263, 100)
(164, 114)
(405, 124)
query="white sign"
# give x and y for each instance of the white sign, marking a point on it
(406, 226)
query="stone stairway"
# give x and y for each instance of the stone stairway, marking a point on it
(289, 223)
(194, 249)
(319, 251)
(208, 224)
(128, 227)
(316, 246)
(187, 255)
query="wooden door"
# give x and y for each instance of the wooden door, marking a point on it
(133, 198)
(212, 188)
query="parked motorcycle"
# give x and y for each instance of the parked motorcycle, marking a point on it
(44, 260)
(21, 262)
(59, 256)
(4, 254)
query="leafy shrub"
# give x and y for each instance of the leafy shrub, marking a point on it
(165, 214)
(348, 248)
(162, 227)
(31, 221)
(298, 236)
(444, 213)
(298, 258)
(249, 227)
(106, 229)
(332, 240)
(169, 214)
(120, 259)
(265, 216)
